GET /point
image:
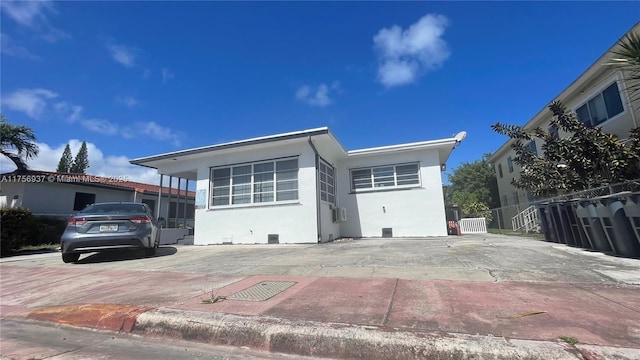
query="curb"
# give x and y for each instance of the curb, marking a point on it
(328, 340)
(340, 340)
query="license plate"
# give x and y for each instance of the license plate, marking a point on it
(108, 228)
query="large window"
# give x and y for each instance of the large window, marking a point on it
(390, 176)
(261, 182)
(327, 183)
(531, 145)
(601, 107)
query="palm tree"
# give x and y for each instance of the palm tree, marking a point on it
(628, 59)
(17, 143)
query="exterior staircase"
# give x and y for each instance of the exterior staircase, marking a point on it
(526, 221)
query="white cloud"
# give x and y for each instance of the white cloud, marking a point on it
(70, 112)
(9, 47)
(124, 55)
(101, 126)
(405, 55)
(26, 13)
(128, 101)
(33, 14)
(167, 74)
(317, 96)
(32, 102)
(158, 132)
(99, 164)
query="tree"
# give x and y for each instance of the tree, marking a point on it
(66, 160)
(473, 188)
(18, 143)
(81, 162)
(628, 60)
(587, 158)
(478, 179)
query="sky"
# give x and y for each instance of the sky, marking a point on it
(134, 79)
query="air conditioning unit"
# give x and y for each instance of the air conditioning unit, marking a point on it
(339, 214)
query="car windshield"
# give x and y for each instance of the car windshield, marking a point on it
(114, 209)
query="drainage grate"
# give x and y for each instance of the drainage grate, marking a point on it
(262, 291)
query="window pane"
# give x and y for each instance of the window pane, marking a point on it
(242, 170)
(287, 165)
(221, 173)
(241, 189)
(287, 195)
(220, 201)
(330, 171)
(241, 199)
(597, 109)
(263, 197)
(221, 191)
(287, 185)
(264, 177)
(241, 179)
(323, 196)
(361, 179)
(383, 177)
(264, 167)
(407, 174)
(612, 100)
(583, 115)
(263, 187)
(293, 175)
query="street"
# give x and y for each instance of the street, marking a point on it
(23, 340)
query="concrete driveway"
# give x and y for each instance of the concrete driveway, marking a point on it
(478, 258)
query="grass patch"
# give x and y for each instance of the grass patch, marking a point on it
(571, 340)
(33, 249)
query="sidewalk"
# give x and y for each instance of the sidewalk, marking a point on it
(372, 318)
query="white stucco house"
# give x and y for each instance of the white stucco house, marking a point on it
(304, 187)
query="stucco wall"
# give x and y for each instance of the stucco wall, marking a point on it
(58, 198)
(294, 223)
(409, 212)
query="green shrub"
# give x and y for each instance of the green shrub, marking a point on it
(15, 225)
(20, 228)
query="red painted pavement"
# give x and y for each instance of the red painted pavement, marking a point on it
(593, 313)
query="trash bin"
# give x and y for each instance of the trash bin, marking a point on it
(565, 224)
(556, 219)
(610, 210)
(586, 212)
(576, 228)
(547, 226)
(632, 210)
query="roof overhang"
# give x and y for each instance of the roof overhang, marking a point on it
(443, 146)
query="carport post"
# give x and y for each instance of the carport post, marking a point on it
(186, 194)
(178, 203)
(169, 208)
(159, 206)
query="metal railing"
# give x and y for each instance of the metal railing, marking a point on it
(500, 216)
(473, 225)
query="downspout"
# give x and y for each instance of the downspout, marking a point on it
(318, 216)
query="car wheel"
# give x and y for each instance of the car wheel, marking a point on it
(70, 257)
(150, 251)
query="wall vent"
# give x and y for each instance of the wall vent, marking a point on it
(273, 239)
(387, 232)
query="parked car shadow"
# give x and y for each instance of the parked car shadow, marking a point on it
(124, 255)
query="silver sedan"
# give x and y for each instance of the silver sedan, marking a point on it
(109, 226)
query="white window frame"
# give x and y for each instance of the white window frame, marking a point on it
(373, 179)
(327, 182)
(275, 181)
(592, 95)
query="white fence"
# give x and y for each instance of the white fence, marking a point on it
(473, 225)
